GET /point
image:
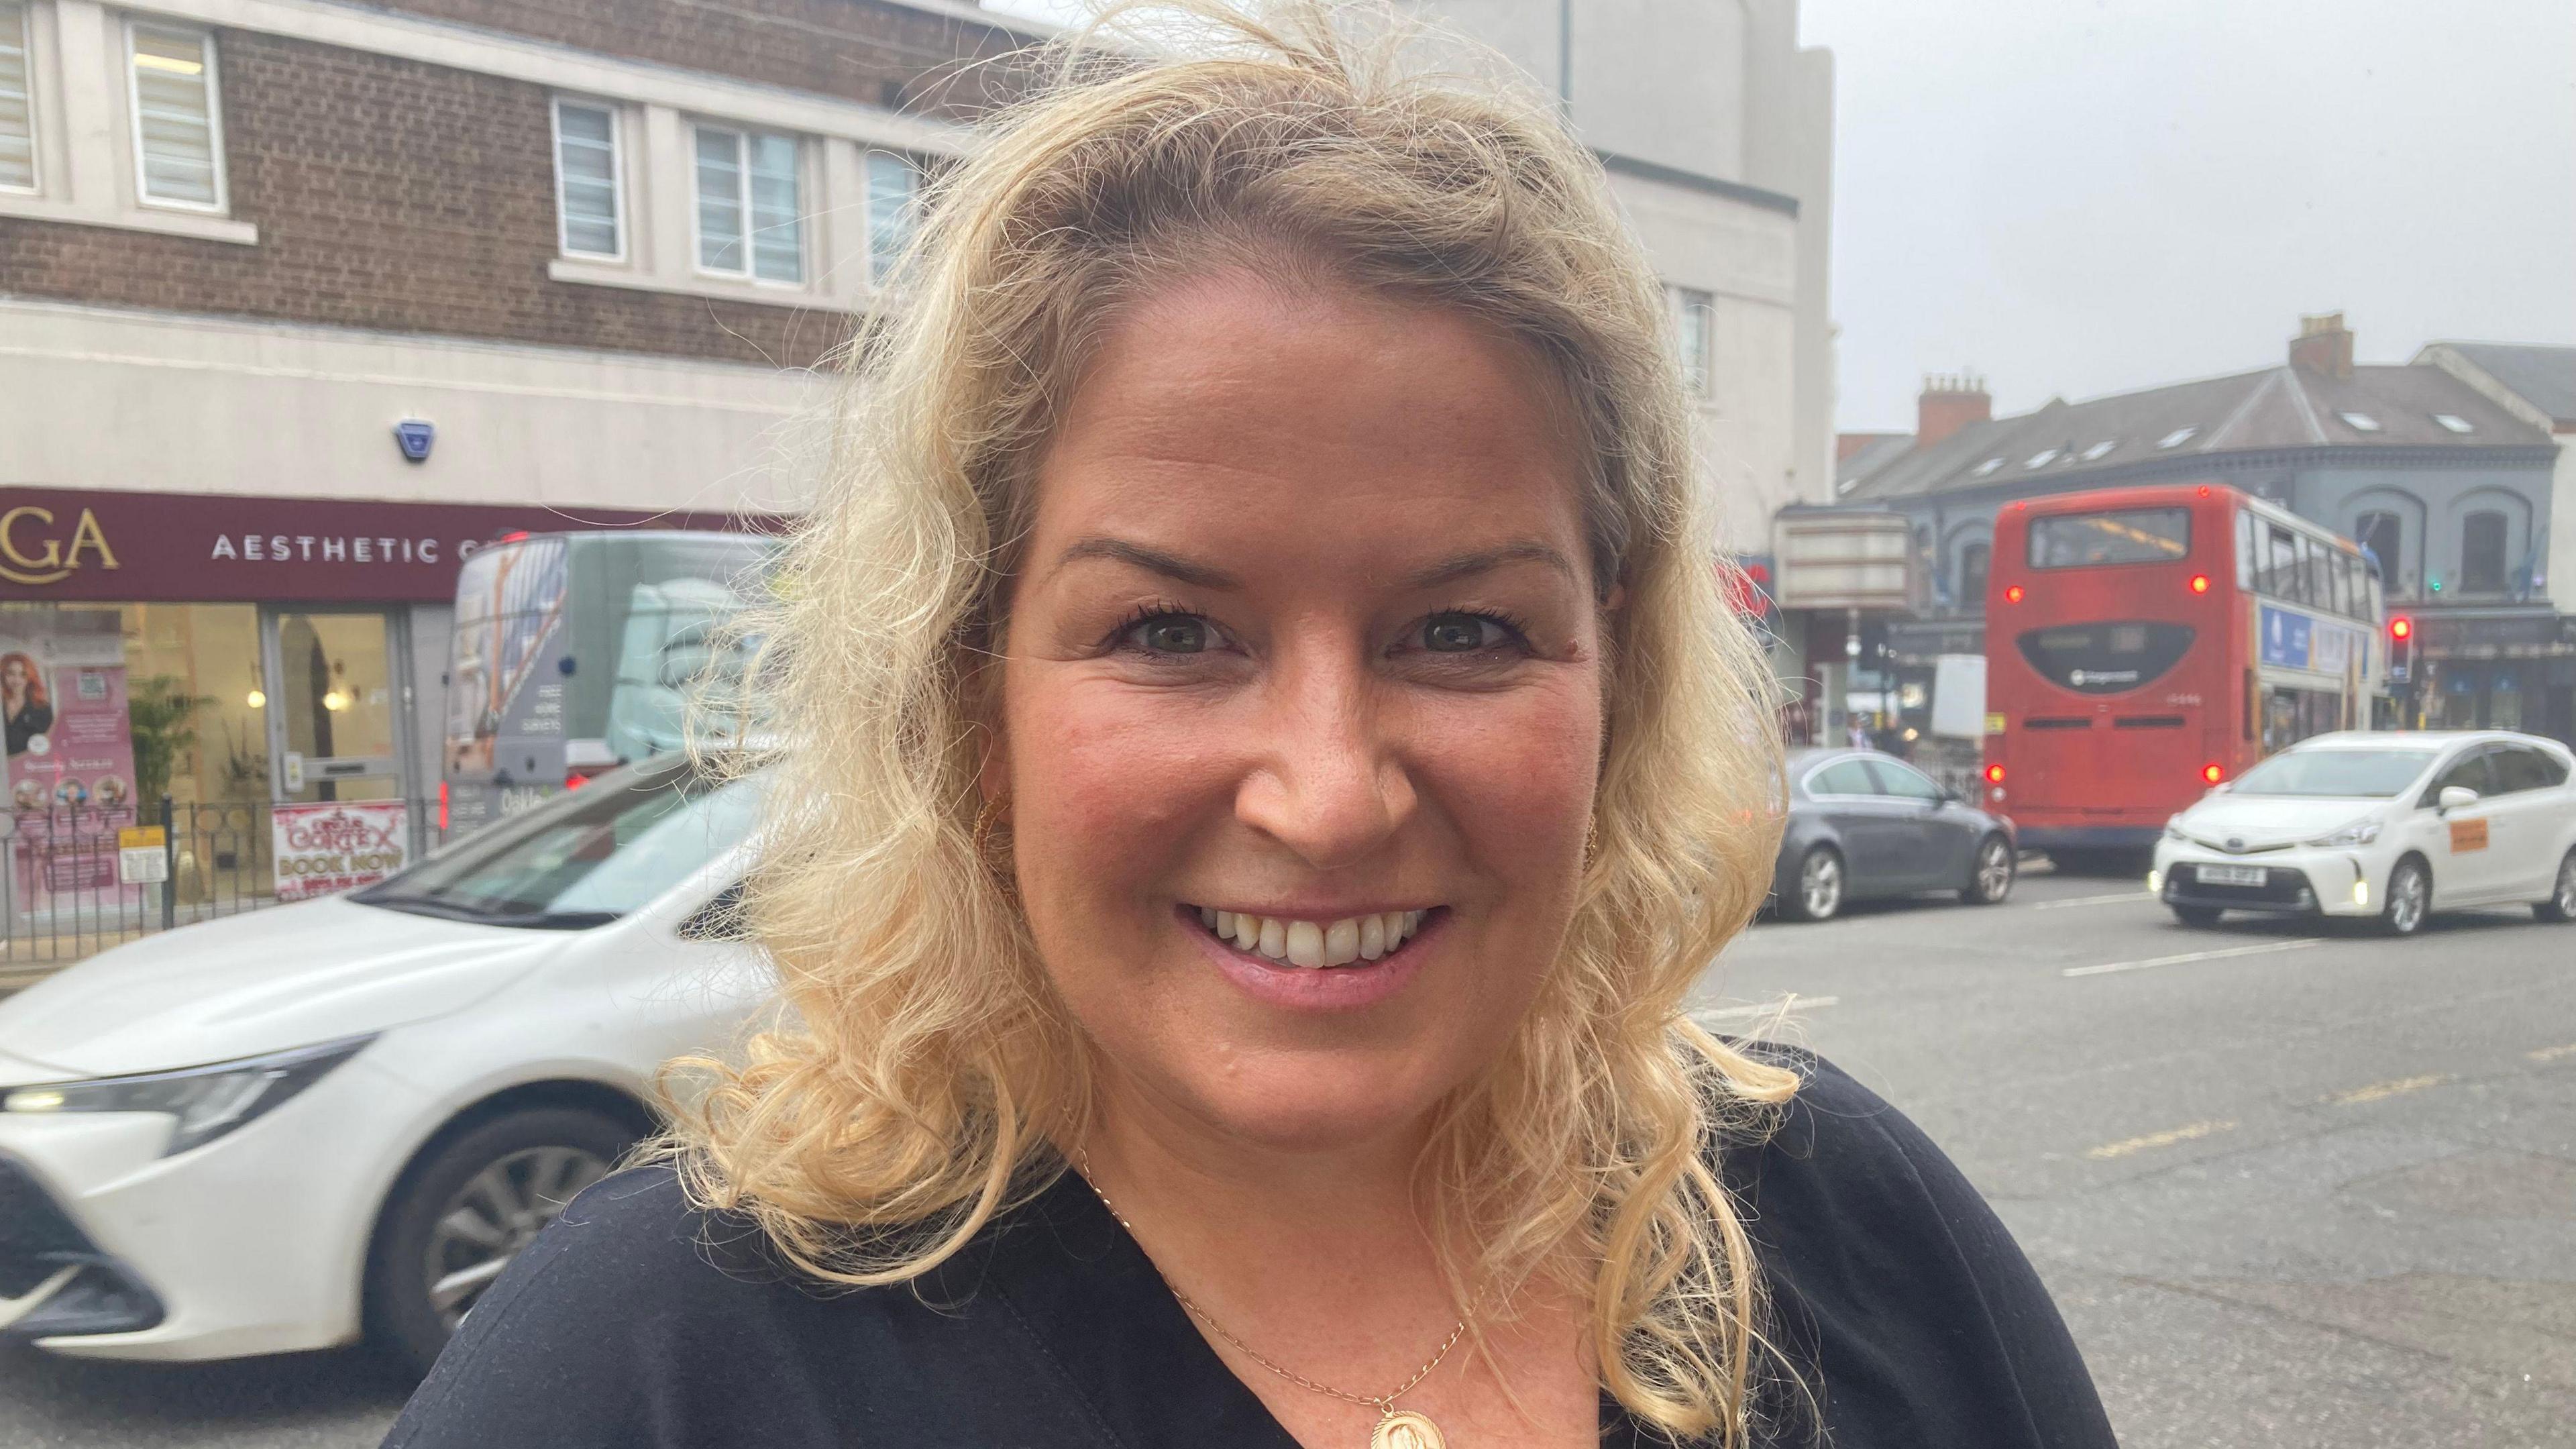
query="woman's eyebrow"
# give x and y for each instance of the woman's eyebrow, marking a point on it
(1152, 560)
(1468, 565)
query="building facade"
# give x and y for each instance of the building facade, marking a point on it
(2452, 490)
(302, 301)
(1716, 127)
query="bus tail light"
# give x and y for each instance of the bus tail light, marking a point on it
(1994, 774)
(2200, 583)
(2212, 773)
(2012, 593)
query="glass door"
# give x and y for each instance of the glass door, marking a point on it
(336, 722)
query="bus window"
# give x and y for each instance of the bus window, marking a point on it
(2105, 658)
(2115, 536)
(2244, 549)
(2280, 572)
(2292, 715)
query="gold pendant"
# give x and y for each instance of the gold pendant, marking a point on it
(1405, 1429)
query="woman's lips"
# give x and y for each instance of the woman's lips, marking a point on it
(1358, 983)
(1306, 943)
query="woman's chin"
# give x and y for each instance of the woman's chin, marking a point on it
(1312, 1102)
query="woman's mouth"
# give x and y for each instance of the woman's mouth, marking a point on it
(1314, 945)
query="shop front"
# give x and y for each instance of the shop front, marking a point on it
(2498, 669)
(232, 655)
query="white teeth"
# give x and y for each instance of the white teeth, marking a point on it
(1342, 943)
(1311, 943)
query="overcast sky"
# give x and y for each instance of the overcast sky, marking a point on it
(2078, 197)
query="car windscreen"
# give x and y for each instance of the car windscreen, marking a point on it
(586, 858)
(2340, 774)
(2115, 536)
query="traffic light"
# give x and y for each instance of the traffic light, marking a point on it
(2401, 649)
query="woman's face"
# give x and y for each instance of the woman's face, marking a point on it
(13, 676)
(1305, 633)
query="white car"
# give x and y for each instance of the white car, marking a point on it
(2389, 825)
(288, 1129)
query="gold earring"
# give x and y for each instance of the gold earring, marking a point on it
(988, 821)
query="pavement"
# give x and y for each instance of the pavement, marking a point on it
(2292, 1186)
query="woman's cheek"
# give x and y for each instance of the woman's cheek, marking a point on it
(1108, 780)
(1518, 771)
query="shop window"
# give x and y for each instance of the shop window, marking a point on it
(2482, 553)
(17, 102)
(750, 205)
(178, 123)
(590, 200)
(894, 188)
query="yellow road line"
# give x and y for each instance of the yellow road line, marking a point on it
(2109, 1150)
(2551, 1054)
(2380, 1091)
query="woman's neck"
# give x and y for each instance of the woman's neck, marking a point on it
(1189, 1189)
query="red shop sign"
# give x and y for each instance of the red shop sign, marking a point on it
(63, 543)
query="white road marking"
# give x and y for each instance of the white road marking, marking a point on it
(1792, 1002)
(2108, 967)
(2093, 900)
(2109, 1150)
(2551, 1054)
(2380, 1091)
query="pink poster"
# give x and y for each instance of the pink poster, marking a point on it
(71, 747)
(336, 846)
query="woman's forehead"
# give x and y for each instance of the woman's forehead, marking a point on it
(1225, 399)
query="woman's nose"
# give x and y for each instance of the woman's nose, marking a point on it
(1326, 782)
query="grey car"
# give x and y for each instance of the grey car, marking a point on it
(1864, 824)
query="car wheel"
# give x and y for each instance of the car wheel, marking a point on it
(2410, 898)
(2198, 917)
(1993, 880)
(462, 1213)
(2561, 905)
(1816, 892)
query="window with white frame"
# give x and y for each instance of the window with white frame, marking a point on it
(17, 102)
(750, 205)
(178, 128)
(1695, 332)
(894, 186)
(590, 198)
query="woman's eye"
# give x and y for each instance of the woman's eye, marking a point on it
(1172, 634)
(1461, 634)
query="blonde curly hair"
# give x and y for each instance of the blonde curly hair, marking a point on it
(925, 1069)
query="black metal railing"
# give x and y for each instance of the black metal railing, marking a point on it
(75, 880)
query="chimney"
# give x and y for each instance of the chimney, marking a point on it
(2324, 345)
(1948, 404)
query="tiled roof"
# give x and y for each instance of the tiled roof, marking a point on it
(2544, 377)
(2278, 407)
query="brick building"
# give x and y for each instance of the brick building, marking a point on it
(301, 300)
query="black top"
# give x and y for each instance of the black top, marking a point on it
(636, 1323)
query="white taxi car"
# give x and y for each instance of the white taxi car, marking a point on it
(287, 1129)
(2390, 825)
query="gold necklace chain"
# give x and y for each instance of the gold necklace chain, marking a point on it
(1383, 1403)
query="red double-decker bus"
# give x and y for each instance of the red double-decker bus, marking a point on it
(2144, 644)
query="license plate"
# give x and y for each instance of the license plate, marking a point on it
(2231, 875)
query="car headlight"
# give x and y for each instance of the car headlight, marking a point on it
(2359, 832)
(203, 1103)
